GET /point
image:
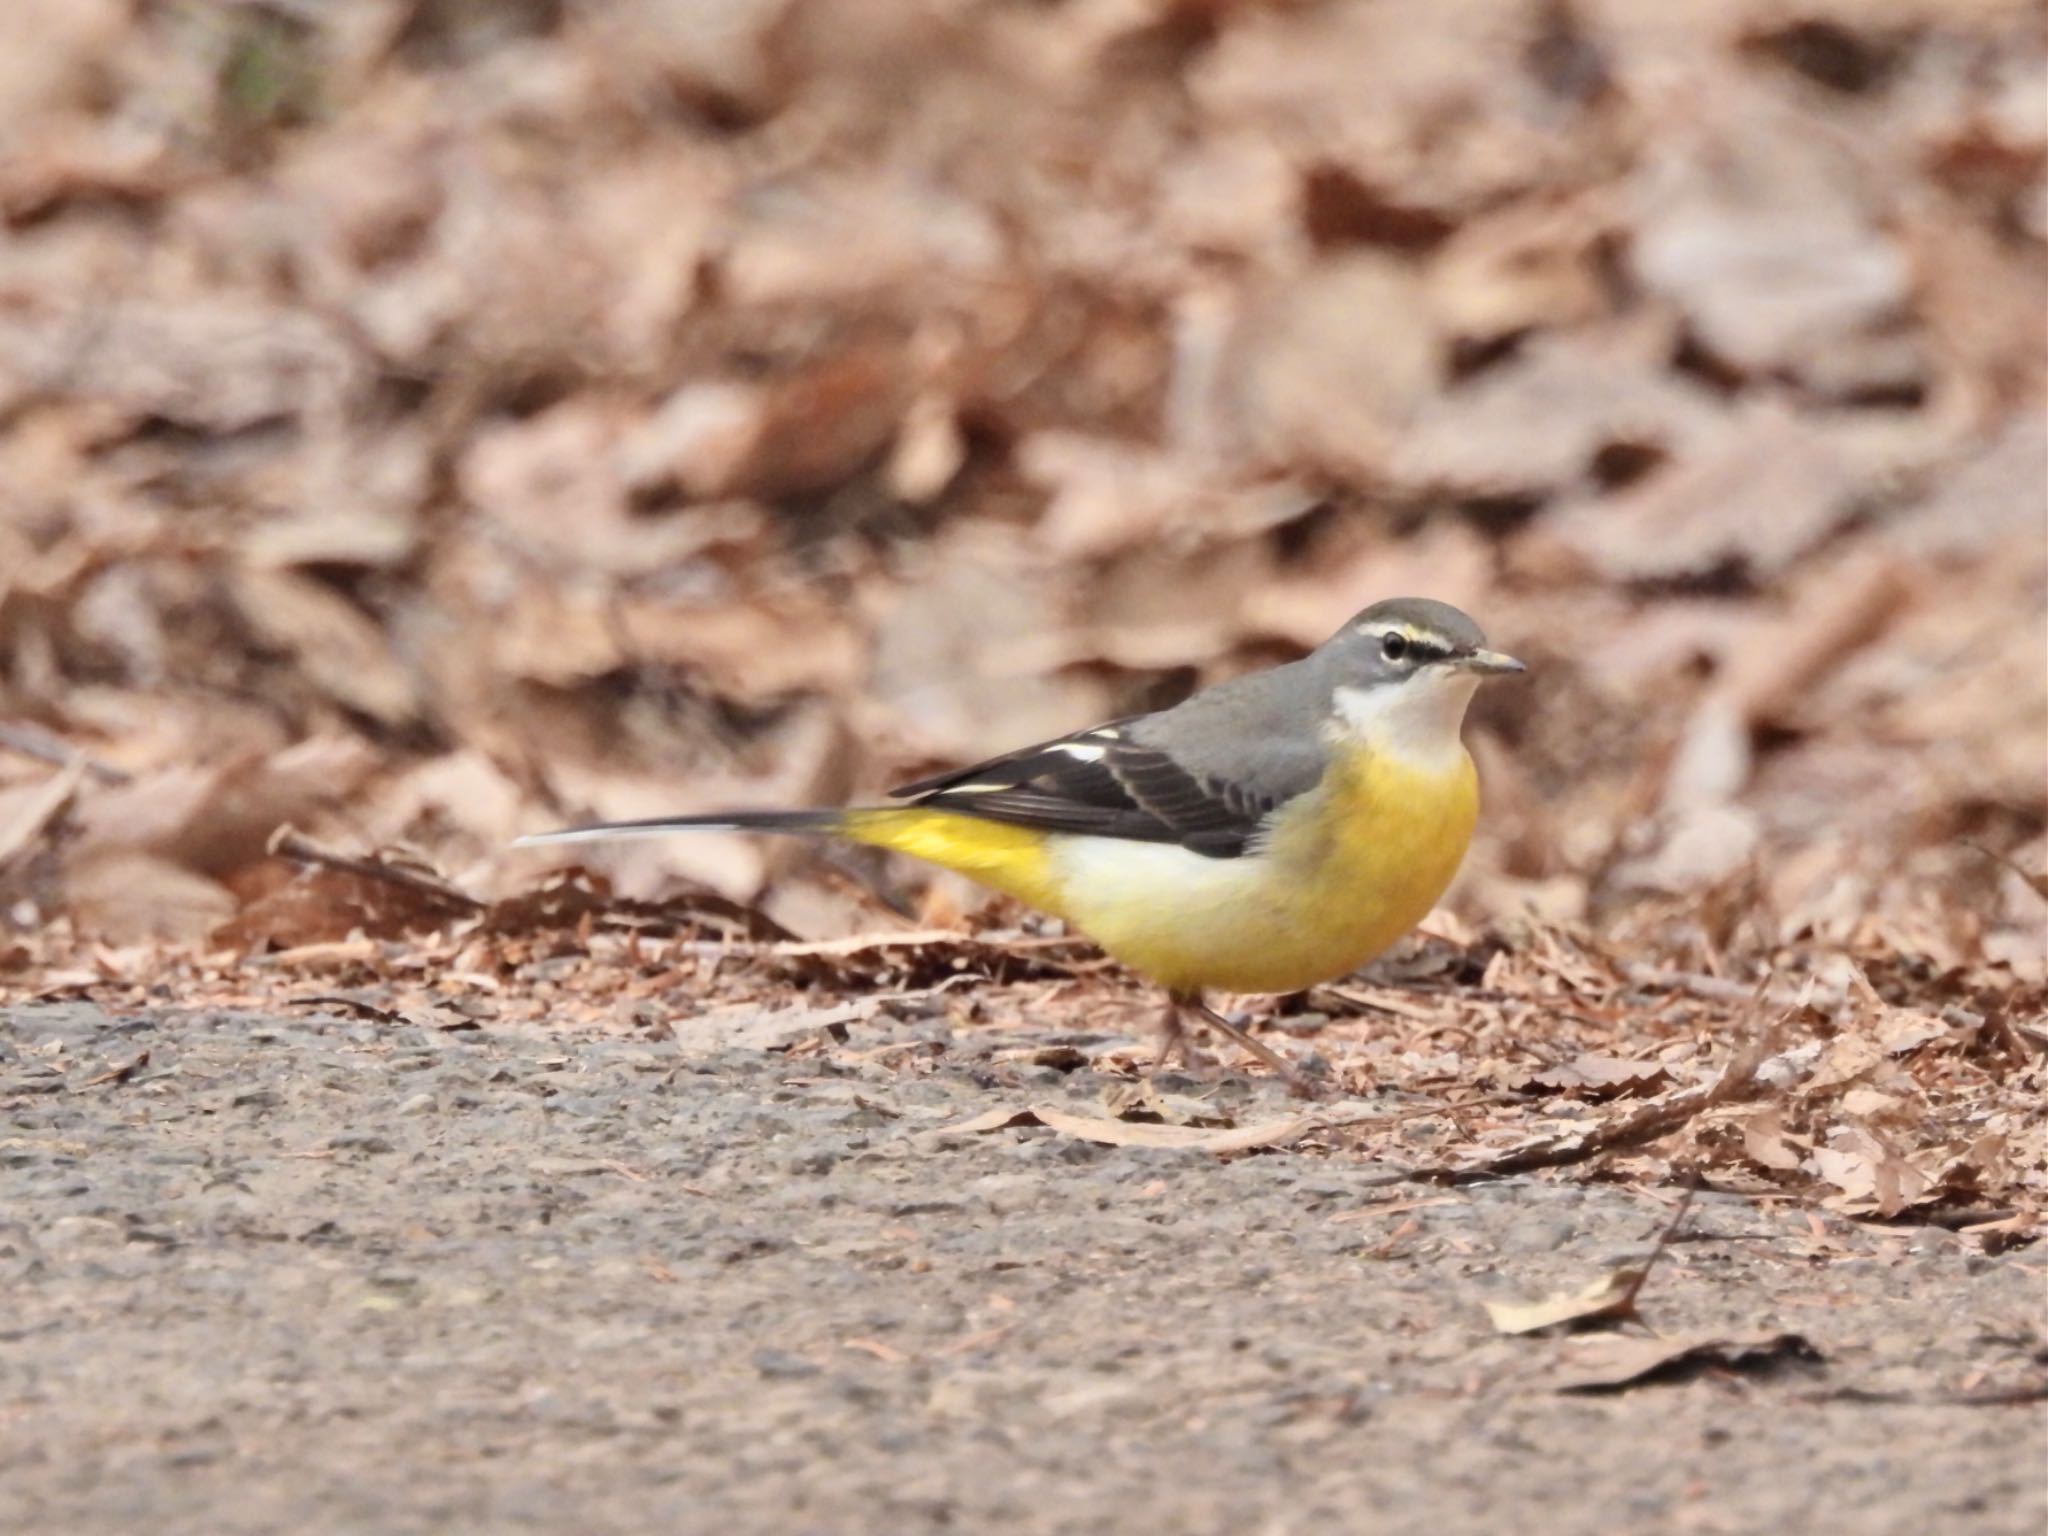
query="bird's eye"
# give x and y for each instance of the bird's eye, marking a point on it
(1394, 647)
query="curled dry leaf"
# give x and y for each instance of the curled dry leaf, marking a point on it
(751, 1027)
(1767, 1143)
(1599, 1077)
(1616, 1364)
(1609, 1298)
(1138, 1133)
(1873, 1178)
(26, 812)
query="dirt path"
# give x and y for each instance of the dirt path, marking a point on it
(321, 1275)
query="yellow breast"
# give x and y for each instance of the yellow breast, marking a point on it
(1349, 869)
(1397, 837)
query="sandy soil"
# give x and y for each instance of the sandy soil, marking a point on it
(318, 1274)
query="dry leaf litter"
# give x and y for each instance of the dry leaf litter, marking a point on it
(425, 423)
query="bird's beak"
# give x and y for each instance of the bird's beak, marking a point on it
(1488, 663)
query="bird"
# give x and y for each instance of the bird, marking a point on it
(1270, 833)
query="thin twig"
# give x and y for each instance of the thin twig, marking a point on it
(1665, 1239)
(288, 842)
(1650, 1123)
(1713, 989)
(28, 740)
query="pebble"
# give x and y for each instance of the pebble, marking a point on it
(781, 1365)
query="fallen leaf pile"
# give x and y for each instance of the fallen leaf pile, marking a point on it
(422, 423)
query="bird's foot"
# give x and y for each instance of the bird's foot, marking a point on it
(1299, 1084)
(1176, 1045)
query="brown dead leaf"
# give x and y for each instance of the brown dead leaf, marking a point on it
(211, 363)
(1767, 488)
(1658, 1118)
(1904, 1030)
(751, 1027)
(1831, 615)
(1848, 1057)
(322, 906)
(218, 819)
(1330, 369)
(1608, 398)
(1609, 1298)
(1139, 1100)
(1220, 1140)
(1128, 1133)
(1869, 1103)
(929, 449)
(763, 648)
(26, 813)
(1598, 1077)
(699, 442)
(1767, 1143)
(807, 429)
(1770, 233)
(64, 44)
(122, 1074)
(1872, 1177)
(129, 897)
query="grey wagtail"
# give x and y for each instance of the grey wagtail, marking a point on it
(1269, 833)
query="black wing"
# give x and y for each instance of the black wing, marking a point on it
(1105, 783)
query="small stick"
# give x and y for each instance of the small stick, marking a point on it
(1649, 1123)
(1665, 1239)
(120, 1075)
(288, 842)
(33, 741)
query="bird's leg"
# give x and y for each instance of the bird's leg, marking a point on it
(1296, 1083)
(1173, 1034)
(1174, 1040)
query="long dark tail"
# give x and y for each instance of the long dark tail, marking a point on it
(657, 826)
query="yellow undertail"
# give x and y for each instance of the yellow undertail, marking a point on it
(1005, 858)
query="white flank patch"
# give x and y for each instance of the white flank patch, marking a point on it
(1120, 884)
(1080, 752)
(1415, 721)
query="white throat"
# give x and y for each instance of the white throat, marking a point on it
(1415, 722)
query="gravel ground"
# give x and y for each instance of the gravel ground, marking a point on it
(326, 1275)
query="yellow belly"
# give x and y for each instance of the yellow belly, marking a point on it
(1348, 870)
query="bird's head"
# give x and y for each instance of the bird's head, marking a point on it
(1400, 674)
